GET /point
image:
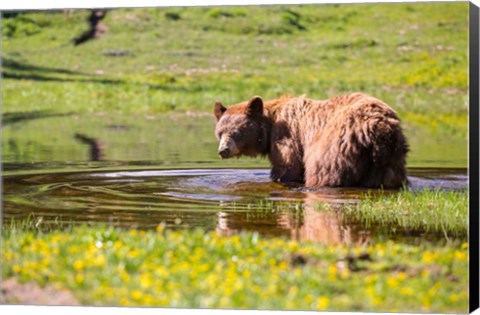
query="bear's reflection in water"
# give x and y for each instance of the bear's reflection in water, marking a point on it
(300, 219)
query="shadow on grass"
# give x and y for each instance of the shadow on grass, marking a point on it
(10, 64)
(17, 117)
(15, 70)
(36, 77)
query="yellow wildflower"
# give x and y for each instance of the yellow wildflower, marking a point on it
(401, 276)
(78, 265)
(124, 276)
(136, 294)
(371, 291)
(161, 272)
(392, 282)
(74, 249)
(377, 300)
(293, 290)
(17, 268)
(332, 269)
(146, 280)
(147, 299)
(322, 302)
(283, 265)
(99, 260)
(79, 278)
(345, 273)
(454, 297)
(133, 253)
(406, 291)
(460, 255)
(433, 290)
(309, 299)
(57, 238)
(426, 302)
(429, 257)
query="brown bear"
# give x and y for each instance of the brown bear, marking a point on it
(353, 140)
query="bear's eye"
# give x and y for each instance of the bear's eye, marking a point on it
(220, 135)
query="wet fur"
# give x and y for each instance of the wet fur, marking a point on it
(350, 140)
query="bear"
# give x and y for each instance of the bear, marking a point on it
(352, 140)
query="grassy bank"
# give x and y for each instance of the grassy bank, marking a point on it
(194, 268)
(414, 56)
(107, 266)
(427, 211)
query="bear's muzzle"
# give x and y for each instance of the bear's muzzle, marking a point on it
(227, 147)
(224, 153)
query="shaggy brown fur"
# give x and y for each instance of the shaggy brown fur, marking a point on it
(348, 140)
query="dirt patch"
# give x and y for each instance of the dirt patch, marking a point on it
(30, 293)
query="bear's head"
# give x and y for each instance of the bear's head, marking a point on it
(242, 129)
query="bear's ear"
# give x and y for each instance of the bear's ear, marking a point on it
(218, 110)
(255, 106)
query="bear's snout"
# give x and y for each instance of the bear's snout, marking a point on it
(227, 148)
(224, 153)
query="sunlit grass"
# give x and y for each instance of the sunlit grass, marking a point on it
(415, 58)
(427, 211)
(109, 266)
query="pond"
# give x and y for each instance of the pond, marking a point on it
(137, 171)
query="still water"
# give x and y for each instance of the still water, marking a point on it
(145, 171)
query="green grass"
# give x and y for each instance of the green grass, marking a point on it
(427, 211)
(413, 56)
(110, 266)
